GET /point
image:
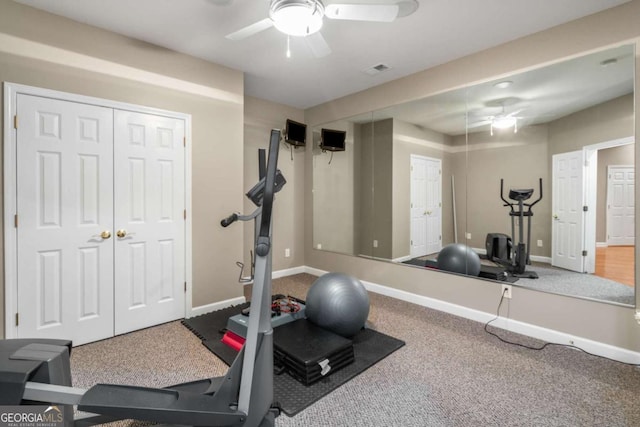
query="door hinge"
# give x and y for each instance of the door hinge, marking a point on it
(585, 208)
(584, 253)
(185, 287)
(185, 214)
(184, 141)
(15, 220)
(15, 121)
(17, 319)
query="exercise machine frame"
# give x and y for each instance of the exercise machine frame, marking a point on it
(516, 264)
(38, 370)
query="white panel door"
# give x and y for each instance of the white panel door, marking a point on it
(64, 203)
(426, 206)
(149, 212)
(418, 243)
(621, 205)
(568, 216)
(434, 206)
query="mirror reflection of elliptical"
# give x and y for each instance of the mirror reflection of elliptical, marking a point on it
(512, 129)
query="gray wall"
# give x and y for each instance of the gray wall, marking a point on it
(601, 322)
(521, 161)
(403, 148)
(288, 211)
(217, 152)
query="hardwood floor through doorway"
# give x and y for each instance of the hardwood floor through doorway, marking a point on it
(616, 263)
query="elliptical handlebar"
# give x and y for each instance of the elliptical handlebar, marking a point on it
(511, 205)
(506, 203)
(263, 243)
(539, 197)
(229, 220)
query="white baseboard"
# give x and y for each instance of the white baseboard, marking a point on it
(544, 334)
(544, 259)
(208, 308)
(288, 272)
(601, 244)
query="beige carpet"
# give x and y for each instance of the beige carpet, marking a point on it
(450, 373)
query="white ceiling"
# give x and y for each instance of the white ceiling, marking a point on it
(536, 96)
(438, 32)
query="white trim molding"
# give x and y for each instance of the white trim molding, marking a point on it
(34, 50)
(547, 335)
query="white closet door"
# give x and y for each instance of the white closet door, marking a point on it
(64, 203)
(149, 214)
(621, 205)
(568, 216)
(434, 205)
(426, 206)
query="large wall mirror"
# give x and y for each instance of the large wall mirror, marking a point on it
(416, 177)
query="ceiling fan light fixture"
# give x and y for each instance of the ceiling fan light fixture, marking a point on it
(504, 122)
(297, 18)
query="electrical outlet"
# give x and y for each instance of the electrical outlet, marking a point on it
(287, 253)
(468, 236)
(506, 291)
(319, 246)
(539, 243)
(375, 243)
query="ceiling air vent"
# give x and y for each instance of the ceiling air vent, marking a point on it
(376, 69)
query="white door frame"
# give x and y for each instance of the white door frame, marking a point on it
(11, 90)
(590, 196)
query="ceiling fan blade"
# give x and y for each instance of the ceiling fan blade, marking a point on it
(250, 30)
(362, 12)
(318, 45)
(478, 124)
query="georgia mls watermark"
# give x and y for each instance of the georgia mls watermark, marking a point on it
(31, 416)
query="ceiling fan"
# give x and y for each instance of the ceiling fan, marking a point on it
(304, 18)
(502, 120)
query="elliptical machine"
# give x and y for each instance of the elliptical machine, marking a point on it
(500, 247)
(38, 370)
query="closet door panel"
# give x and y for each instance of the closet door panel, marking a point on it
(64, 203)
(149, 219)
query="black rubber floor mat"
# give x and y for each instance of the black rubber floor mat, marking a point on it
(369, 347)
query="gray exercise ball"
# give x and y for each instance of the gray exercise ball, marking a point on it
(459, 258)
(339, 303)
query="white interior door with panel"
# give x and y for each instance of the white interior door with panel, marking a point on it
(149, 220)
(434, 205)
(426, 206)
(621, 205)
(567, 206)
(65, 217)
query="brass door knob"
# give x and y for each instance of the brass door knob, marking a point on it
(555, 217)
(121, 233)
(105, 234)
